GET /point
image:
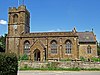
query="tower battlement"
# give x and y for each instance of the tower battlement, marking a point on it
(19, 9)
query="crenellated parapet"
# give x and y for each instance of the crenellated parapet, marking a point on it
(21, 8)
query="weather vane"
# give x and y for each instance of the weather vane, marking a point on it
(20, 2)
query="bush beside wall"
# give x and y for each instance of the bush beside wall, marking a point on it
(8, 64)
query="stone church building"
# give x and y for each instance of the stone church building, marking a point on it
(43, 46)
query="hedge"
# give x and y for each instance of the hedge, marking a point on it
(8, 64)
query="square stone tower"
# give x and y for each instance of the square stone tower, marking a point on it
(18, 24)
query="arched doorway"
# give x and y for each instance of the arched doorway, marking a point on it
(37, 55)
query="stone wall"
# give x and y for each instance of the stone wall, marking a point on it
(23, 64)
(68, 64)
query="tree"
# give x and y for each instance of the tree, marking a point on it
(3, 41)
(98, 49)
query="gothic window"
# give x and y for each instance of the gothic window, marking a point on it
(53, 46)
(26, 47)
(89, 49)
(68, 47)
(15, 18)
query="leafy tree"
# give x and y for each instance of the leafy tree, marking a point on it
(98, 48)
(3, 41)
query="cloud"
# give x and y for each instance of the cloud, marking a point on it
(57, 30)
(3, 22)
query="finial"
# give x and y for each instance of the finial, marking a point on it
(74, 30)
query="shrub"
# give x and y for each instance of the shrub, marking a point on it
(82, 59)
(8, 64)
(24, 57)
(68, 59)
(95, 59)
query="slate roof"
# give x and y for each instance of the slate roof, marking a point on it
(86, 37)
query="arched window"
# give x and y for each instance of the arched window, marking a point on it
(88, 49)
(68, 47)
(15, 18)
(53, 46)
(26, 47)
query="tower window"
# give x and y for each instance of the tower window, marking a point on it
(89, 49)
(53, 46)
(68, 47)
(15, 18)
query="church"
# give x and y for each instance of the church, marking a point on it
(46, 46)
